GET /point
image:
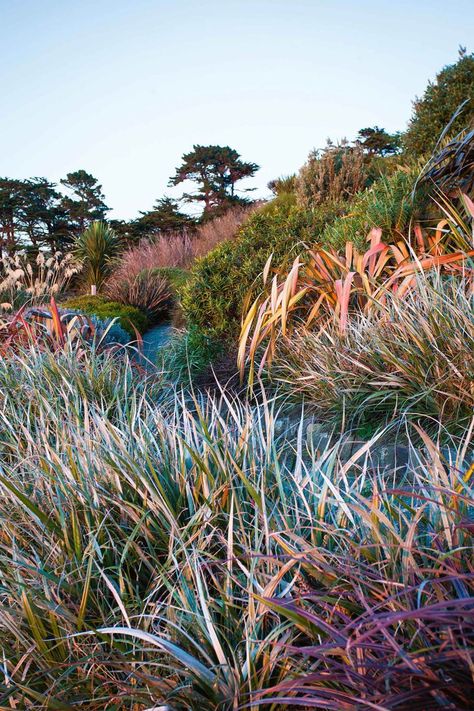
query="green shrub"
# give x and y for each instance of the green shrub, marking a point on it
(388, 204)
(433, 112)
(128, 316)
(337, 172)
(212, 299)
(285, 200)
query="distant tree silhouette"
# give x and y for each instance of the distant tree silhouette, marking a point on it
(31, 215)
(165, 217)
(87, 203)
(215, 170)
(376, 141)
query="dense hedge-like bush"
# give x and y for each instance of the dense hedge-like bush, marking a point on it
(128, 316)
(212, 298)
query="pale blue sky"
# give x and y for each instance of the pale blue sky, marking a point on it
(122, 88)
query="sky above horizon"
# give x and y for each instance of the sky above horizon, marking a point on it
(122, 88)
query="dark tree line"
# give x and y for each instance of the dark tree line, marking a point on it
(34, 214)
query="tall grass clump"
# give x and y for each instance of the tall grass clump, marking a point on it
(412, 356)
(147, 291)
(208, 554)
(34, 282)
(191, 357)
(179, 249)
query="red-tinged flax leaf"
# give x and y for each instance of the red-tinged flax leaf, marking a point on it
(469, 204)
(315, 309)
(287, 293)
(349, 252)
(370, 256)
(375, 239)
(138, 337)
(266, 268)
(420, 240)
(58, 326)
(343, 291)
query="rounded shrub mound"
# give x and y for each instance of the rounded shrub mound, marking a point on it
(213, 297)
(452, 87)
(129, 317)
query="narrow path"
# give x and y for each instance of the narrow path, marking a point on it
(155, 339)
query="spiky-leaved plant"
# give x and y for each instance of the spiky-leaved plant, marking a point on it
(96, 247)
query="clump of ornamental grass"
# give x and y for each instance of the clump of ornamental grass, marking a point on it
(166, 250)
(412, 356)
(201, 555)
(221, 228)
(146, 291)
(181, 248)
(34, 282)
(68, 382)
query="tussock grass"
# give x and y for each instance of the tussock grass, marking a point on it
(412, 356)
